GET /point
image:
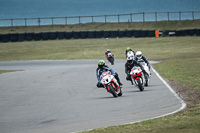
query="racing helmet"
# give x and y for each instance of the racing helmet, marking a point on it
(108, 50)
(101, 63)
(130, 59)
(139, 54)
(128, 48)
(130, 53)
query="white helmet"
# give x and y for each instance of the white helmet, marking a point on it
(130, 57)
(139, 54)
(108, 50)
(130, 53)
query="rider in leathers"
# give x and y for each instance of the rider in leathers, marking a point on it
(102, 68)
(131, 62)
(139, 56)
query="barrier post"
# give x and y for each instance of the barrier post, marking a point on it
(156, 33)
(65, 20)
(156, 17)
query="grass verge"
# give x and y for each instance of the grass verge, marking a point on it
(160, 25)
(180, 63)
(6, 71)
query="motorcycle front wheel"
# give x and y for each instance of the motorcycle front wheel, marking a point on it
(120, 92)
(146, 80)
(112, 91)
(140, 85)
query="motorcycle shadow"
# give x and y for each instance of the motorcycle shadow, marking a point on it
(137, 91)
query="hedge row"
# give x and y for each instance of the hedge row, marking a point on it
(91, 34)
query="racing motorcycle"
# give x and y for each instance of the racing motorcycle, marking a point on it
(110, 84)
(137, 77)
(110, 58)
(147, 74)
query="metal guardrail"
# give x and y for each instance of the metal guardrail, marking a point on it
(20, 37)
(132, 17)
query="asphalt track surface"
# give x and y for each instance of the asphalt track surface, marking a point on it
(61, 96)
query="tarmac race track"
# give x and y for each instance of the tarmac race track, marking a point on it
(61, 97)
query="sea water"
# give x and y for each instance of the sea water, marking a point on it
(12, 9)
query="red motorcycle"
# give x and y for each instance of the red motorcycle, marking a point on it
(110, 58)
(110, 84)
(137, 77)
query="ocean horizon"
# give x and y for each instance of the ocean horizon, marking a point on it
(21, 9)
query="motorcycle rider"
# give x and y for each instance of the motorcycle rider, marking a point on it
(131, 62)
(102, 68)
(139, 56)
(106, 53)
(127, 50)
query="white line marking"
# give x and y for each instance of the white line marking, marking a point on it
(175, 94)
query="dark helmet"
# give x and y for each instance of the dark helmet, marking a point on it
(101, 63)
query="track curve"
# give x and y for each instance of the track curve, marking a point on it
(61, 96)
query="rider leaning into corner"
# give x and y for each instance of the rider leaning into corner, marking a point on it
(106, 53)
(139, 56)
(102, 68)
(131, 62)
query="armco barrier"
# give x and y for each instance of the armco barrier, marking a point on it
(21, 37)
(68, 35)
(84, 34)
(45, 35)
(99, 34)
(144, 33)
(151, 33)
(129, 33)
(61, 35)
(114, 34)
(76, 35)
(192, 32)
(185, 32)
(29, 36)
(5, 38)
(178, 33)
(198, 32)
(37, 36)
(0, 37)
(13, 37)
(93, 34)
(53, 35)
(122, 33)
(106, 34)
(137, 33)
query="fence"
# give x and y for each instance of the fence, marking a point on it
(132, 17)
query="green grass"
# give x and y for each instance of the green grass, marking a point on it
(6, 71)
(161, 25)
(180, 62)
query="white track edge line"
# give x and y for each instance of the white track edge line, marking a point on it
(174, 93)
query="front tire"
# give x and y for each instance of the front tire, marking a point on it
(140, 85)
(112, 91)
(120, 92)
